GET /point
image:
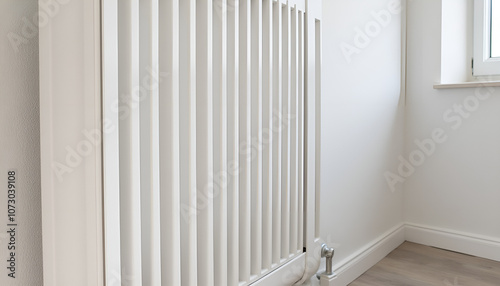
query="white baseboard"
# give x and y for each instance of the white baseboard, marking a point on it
(353, 266)
(485, 247)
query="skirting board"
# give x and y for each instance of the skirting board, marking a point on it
(353, 266)
(485, 247)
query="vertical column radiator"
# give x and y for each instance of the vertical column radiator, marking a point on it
(216, 104)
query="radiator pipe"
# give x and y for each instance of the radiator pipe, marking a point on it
(327, 278)
(328, 253)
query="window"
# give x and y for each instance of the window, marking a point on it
(486, 37)
(495, 28)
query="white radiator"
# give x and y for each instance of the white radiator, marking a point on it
(210, 141)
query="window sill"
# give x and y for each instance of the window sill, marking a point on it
(470, 84)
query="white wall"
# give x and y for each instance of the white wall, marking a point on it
(458, 186)
(362, 127)
(19, 140)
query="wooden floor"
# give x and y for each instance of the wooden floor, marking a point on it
(417, 265)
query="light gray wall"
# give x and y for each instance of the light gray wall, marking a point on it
(19, 139)
(362, 126)
(458, 186)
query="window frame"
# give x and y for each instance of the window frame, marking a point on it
(483, 64)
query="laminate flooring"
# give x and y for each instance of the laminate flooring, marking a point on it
(417, 265)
